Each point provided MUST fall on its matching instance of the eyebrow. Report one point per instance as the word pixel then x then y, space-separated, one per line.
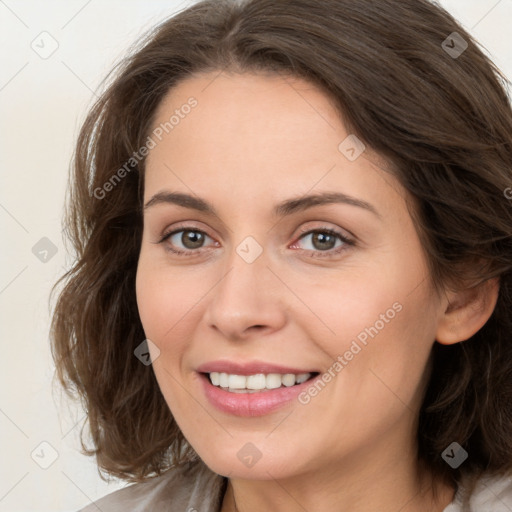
pixel 284 208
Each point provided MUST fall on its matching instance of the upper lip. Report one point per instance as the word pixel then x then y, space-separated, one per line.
pixel 248 368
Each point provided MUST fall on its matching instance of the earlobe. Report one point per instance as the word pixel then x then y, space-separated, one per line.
pixel 467 312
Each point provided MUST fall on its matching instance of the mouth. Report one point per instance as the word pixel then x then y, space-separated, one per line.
pixel 258 382
pixel 257 394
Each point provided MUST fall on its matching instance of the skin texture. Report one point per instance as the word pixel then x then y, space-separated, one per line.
pixel 251 142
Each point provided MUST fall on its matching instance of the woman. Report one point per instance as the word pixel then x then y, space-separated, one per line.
pixel 293 278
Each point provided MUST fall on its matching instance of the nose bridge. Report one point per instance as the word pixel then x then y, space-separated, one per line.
pixel 247 275
pixel 246 295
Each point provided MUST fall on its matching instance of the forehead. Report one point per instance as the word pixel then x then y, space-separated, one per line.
pixel 233 109
pixel 252 133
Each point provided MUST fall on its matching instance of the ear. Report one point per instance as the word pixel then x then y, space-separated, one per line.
pixel 467 311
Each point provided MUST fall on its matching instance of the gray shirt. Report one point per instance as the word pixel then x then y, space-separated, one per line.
pixel 193 487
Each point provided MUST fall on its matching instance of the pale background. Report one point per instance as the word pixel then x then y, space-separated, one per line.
pixel 42 103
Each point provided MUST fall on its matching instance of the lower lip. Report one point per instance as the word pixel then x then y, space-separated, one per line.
pixel 252 404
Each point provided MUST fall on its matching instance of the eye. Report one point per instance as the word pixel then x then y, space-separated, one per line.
pixel 323 242
pixel 190 238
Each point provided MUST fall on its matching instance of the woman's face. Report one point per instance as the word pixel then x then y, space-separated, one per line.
pixel 275 277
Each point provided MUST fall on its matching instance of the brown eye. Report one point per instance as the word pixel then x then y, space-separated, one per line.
pixel 325 239
pixel 191 239
pixel 323 242
pixel 185 240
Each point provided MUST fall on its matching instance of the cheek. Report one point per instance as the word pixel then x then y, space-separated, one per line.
pixel 162 301
pixel 379 321
pixel 392 347
pixel 354 304
pixel 150 303
pixel 165 312
pixel 171 304
pixel 155 290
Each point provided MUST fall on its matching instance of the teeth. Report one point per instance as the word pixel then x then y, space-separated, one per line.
pixel 303 377
pixel 236 381
pixel 288 379
pixel 257 382
pixel 273 381
pixel 223 380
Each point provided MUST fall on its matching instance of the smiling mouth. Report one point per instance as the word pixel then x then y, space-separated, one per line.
pixel 256 383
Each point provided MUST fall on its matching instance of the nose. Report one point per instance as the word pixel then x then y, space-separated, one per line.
pixel 249 300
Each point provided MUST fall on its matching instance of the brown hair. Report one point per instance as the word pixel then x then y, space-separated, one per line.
pixel 443 122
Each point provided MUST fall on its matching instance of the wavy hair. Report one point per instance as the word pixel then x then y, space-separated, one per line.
pixel 443 122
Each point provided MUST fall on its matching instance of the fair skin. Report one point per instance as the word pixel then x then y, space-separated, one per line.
pixel 251 142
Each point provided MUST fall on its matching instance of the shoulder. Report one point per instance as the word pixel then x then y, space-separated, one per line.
pixel 492 493
pixel 190 487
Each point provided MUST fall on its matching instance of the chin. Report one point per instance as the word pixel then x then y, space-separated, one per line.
pixel 247 462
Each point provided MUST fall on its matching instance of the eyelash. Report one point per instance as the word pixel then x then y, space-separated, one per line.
pixel 314 254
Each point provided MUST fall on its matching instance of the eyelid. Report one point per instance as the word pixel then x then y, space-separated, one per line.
pixel 184 226
pixel 337 230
